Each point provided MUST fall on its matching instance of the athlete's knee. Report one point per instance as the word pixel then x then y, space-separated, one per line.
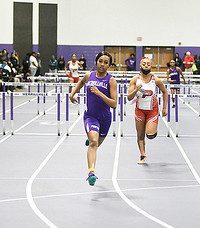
pixel 151 136
pixel 93 143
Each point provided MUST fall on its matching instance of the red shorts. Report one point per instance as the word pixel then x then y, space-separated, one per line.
pixel 76 79
pixel 147 115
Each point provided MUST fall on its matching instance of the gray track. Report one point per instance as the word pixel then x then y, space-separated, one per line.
pixel 165 188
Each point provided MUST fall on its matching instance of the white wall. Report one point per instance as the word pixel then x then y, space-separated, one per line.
pixel 117 22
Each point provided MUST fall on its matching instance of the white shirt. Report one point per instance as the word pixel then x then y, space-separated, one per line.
pixel 147 94
pixel 74 69
pixel 33 62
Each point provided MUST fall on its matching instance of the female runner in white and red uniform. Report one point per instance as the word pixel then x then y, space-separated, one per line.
pixel 146 111
pixel 71 69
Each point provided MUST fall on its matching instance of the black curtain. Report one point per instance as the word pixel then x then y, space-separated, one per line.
pixel 22 28
pixel 47 33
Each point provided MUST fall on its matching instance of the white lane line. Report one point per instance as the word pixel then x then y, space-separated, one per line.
pixel 189 106
pixel 98 192
pixel 34 175
pixel 102 179
pixel 121 194
pixel 18 106
pixel 187 160
pixel 36 134
pixel 26 124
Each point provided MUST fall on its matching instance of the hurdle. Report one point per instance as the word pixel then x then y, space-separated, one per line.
pixel 4 112
pixel 58 113
pixel 114 121
pixel 11 113
pixel 67 112
pixel 121 113
pixel 168 114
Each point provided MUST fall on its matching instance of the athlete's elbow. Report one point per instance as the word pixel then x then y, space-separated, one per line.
pixel 114 105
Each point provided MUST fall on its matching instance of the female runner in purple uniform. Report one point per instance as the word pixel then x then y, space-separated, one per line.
pixel 173 77
pixel 101 93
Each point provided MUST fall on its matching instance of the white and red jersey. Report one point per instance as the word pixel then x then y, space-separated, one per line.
pixel 146 96
pixel 74 69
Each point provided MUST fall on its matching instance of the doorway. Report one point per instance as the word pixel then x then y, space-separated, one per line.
pixel 119 55
pixel 160 57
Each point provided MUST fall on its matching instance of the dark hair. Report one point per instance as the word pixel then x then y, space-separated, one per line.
pixel 103 53
pixel 73 54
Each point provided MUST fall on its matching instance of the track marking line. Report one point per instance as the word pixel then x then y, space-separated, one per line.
pixel 187 160
pixel 98 192
pixel 37 171
pixel 122 195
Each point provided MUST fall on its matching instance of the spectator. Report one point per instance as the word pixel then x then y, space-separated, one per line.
pixel 15 61
pixel 197 62
pixel 5 73
pixel 178 61
pixel 4 55
pixel 39 64
pixel 25 66
pixel 53 65
pixel 188 62
pixel 33 64
pixel 61 63
pixel 82 61
pixel 131 63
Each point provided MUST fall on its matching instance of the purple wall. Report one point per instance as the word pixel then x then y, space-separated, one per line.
pixel 8 47
pixel 35 48
pixel 183 50
pixel 139 55
pixel 88 51
pixel 91 51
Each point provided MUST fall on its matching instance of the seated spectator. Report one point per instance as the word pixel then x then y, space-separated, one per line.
pixel 61 63
pixel 4 55
pixel 15 61
pixel 26 64
pixel 53 65
pixel 5 71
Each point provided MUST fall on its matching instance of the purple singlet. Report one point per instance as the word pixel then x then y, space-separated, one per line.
pixel 97 117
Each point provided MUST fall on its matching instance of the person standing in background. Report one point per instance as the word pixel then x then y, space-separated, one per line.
pixel 39 64
pixel 131 63
pixel 83 63
pixel 173 77
pixel 188 62
pixel 178 61
pixel 33 65
pixel 61 63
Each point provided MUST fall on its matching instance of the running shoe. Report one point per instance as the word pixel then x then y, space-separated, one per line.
pixel 91 178
pixel 142 159
pixel 87 142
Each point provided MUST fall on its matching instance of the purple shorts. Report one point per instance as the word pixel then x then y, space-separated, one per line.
pixel 99 125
